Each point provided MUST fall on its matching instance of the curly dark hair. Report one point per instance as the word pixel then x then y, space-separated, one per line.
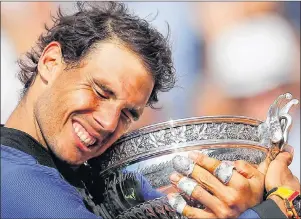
pixel 92 23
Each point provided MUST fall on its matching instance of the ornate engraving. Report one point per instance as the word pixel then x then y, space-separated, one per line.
pixel 168 138
pixel 248 154
pixel 158 174
pixel 154 209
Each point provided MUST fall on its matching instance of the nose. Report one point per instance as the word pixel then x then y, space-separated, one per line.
pixel 108 117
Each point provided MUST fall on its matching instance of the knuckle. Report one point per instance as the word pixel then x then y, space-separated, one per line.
pixel 198 192
pixel 240 163
pixel 261 176
pixel 190 214
pixel 260 180
pixel 226 213
pixel 244 186
pixel 287 155
pixel 204 178
pixel 232 200
pixel 222 212
pixel 200 158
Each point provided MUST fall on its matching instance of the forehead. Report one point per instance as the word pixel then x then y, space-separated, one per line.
pixel 115 65
pixel 116 56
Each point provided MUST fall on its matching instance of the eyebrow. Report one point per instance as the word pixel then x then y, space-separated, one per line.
pixel 105 88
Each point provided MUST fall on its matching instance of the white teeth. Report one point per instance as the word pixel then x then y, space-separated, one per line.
pixel 83 134
pixel 93 141
pixel 88 141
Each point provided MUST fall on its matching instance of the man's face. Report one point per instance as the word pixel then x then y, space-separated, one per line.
pixel 82 111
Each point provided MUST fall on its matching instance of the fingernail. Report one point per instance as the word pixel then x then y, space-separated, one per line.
pixel 175 177
pixel 193 155
pixel 289 149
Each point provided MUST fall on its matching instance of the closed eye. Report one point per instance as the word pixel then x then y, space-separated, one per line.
pixel 128 118
pixel 104 91
pixel 134 114
pixel 131 114
pixel 101 94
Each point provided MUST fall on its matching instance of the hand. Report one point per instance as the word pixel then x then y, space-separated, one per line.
pixel 278 174
pixel 244 190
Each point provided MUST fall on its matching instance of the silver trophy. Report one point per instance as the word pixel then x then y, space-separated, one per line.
pixel 131 179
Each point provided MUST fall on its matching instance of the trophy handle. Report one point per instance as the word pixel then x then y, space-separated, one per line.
pixel 275 129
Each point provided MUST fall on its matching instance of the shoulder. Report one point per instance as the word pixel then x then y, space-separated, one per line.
pixel 36 191
pixel 12 155
pixel 20 168
pixel 20 171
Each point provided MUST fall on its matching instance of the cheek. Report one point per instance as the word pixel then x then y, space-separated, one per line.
pixel 79 100
pixel 55 108
pixel 83 99
pixel 46 115
pixel 72 94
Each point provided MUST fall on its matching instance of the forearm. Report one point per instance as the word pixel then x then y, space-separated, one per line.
pixel 280 203
pixel 267 209
pixel 287 200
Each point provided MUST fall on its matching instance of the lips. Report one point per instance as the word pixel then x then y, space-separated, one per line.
pixel 83 134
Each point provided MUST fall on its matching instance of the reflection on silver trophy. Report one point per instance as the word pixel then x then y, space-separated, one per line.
pixel 131 179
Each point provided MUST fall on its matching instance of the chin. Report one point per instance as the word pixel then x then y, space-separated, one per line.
pixel 74 161
pixel 71 160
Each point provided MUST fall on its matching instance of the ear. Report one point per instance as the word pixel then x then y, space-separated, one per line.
pixel 51 62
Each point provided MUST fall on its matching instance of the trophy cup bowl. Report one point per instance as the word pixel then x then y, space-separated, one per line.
pixel 131 179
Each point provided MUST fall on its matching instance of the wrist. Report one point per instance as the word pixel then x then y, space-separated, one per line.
pixel 284 197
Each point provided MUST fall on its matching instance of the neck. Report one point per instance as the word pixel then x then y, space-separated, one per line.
pixel 23 119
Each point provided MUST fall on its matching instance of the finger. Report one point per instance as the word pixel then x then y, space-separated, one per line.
pixel 264 165
pixel 273 154
pixel 254 165
pixel 183 165
pixel 186 166
pixel 177 202
pixel 210 164
pixel 208 181
pixel 196 213
pixel 245 169
pixel 285 157
pixel 204 161
pixel 183 183
pixel 194 190
pixel 291 151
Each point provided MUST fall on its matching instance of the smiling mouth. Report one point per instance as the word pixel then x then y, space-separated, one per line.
pixel 83 135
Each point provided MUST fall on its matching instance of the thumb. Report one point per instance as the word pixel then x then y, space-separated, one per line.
pixel 263 166
pixel 290 154
pixel 286 156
